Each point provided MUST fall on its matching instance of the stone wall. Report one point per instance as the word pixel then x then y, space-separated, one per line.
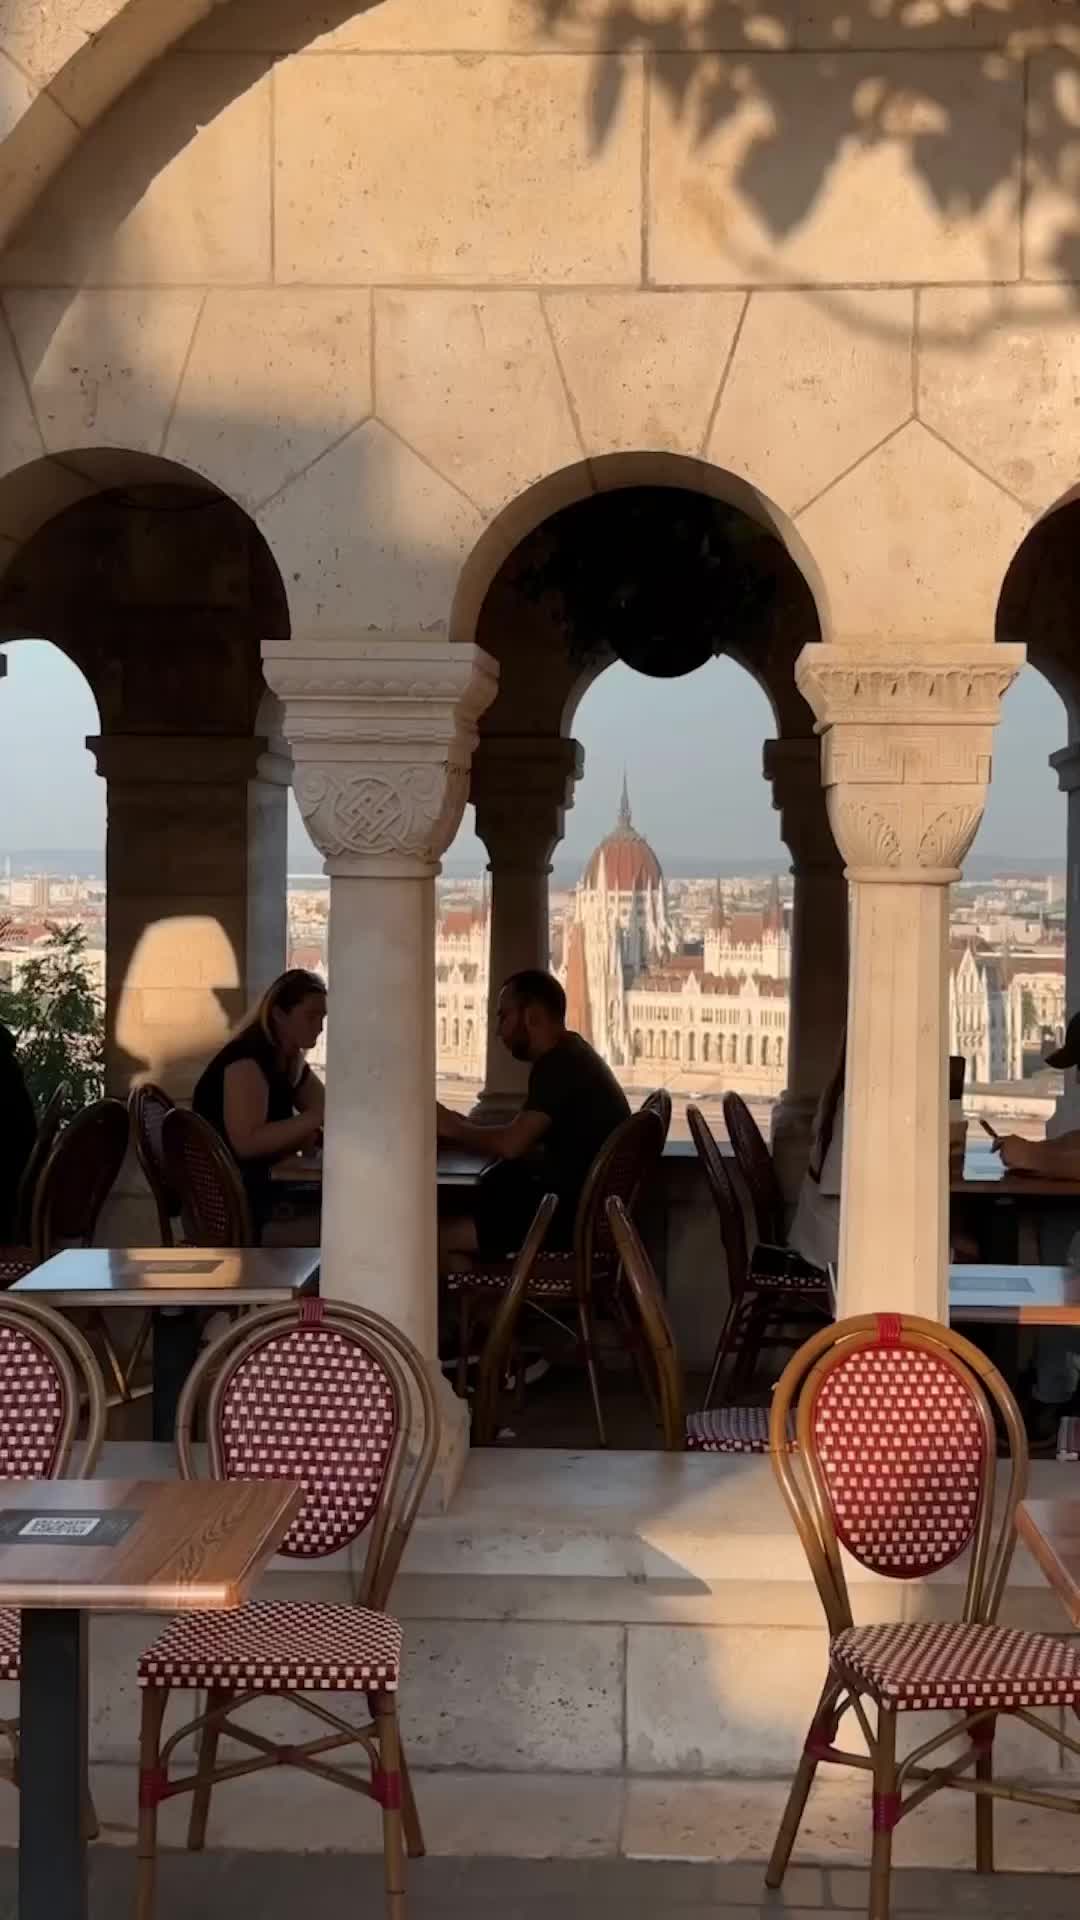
pixel 376 275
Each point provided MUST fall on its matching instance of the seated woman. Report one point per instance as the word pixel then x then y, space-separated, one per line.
pixel 261 1096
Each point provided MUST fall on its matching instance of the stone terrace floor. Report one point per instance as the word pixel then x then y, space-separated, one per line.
pixel 585 1847
pixel 268 1886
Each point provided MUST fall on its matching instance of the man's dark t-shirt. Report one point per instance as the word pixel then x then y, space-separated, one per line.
pixel 585 1103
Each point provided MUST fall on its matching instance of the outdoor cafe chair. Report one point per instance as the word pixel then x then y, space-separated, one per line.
pixel 78 1177
pixel 756 1309
pixel 719 1430
pixel 148 1107
pixel 564 1287
pixel 201 1172
pixel 896 1462
pixel 338 1399
pixel 781 1283
pixel 47 1375
pixel 18 1259
pixel 659 1103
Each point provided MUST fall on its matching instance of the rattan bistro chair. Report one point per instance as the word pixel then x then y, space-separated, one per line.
pixel 722 1430
pixel 78 1177
pixel 660 1104
pixel 200 1170
pixel 568 1284
pixel 339 1400
pixel 149 1105
pixel 47 1373
pixel 782 1285
pixel 757 1304
pixel 18 1259
pixel 896 1462
pixel 495 1359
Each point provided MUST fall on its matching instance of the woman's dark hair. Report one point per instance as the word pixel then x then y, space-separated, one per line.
pixel 534 988
pixel 284 994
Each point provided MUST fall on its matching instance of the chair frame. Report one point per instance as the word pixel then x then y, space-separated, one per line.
pixel 638 1277
pixel 736 1250
pixel 225 1167
pixel 78 1370
pixel 498 1347
pixel 755 1163
pixel 42 1230
pixel 586 1221
pixel 18 1259
pixel 805 1488
pixel 407 1471
pixel 153 1171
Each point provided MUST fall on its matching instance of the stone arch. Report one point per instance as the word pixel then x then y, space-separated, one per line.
pixel 1039 602
pixel 161 590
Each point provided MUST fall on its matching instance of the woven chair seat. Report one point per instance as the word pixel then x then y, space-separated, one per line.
pixel 731 1430
pixel 9 1643
pixel 782 1270
pixel 552 1276
pixel 914 1668
pixel 15 1264
pixel 278 1647
pixel 1068 1439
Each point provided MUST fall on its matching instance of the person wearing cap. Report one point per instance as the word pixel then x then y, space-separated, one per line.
pixel 1057 1350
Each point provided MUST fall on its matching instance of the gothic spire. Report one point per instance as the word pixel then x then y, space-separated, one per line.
pixel 624 823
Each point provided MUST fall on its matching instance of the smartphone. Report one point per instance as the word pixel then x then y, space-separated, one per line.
pixel 987 1128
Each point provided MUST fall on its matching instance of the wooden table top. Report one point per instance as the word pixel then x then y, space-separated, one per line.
pixel 1050 1529
pixel 172 1276
pixel 170 1546
pixel 1019 1296
pixel 454 1167
pixel 985 1175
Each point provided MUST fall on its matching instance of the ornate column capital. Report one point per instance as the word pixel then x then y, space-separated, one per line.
pixel 793 770
pixel 522 785
pixel 1066 764
pixel 382 734
pixel 906 737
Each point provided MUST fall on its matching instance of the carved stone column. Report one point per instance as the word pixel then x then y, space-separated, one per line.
pixel 1066 764
pixel 522 786
pixel 382 736
pixel 906 746
pixel 819 948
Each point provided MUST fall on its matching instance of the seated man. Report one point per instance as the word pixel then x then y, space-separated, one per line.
pixel 572 1105
pixel 1057 1353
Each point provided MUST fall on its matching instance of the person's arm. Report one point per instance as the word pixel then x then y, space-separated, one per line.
pixel 310 1095
pixel 1055 1159
pixel 251 1135
pixel 508 1142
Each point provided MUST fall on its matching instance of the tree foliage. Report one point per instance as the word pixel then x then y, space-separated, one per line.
pixel 57 1015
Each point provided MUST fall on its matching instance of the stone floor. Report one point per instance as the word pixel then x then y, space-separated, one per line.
pixel 268 1886
pixel 520 1844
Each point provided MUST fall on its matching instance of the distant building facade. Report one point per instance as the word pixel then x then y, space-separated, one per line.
pixel 1004 1009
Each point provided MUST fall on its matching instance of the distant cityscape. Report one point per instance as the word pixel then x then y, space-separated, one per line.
pixel 679 979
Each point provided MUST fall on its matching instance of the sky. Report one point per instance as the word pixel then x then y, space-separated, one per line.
pixel 691 750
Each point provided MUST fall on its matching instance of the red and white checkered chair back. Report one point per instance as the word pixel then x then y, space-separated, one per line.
pixel 46 1372
pixel 312 1403
pixel 335 1398
pixel 203 1175
pixel 902 1450
pixel 896 1457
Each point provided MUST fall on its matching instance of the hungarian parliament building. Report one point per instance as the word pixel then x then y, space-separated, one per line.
pixel 711 1012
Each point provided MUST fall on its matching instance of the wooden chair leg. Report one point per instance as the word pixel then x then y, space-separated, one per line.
pixel 153 1712
pixel 461 1384
pixel 800 1787
pixel 200 1799
pixel 414 1832
pixel 588 1341
pixel 885 1816
pixel 723 1348
pixel 757 1326
pixel 983 1741
pixel 392 1799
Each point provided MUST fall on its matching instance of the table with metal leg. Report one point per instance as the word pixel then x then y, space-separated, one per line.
pixel 72 1547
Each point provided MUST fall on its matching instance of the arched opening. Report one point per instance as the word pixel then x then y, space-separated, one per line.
pixel 594 642
pixel 160 590
pixel 1013 978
